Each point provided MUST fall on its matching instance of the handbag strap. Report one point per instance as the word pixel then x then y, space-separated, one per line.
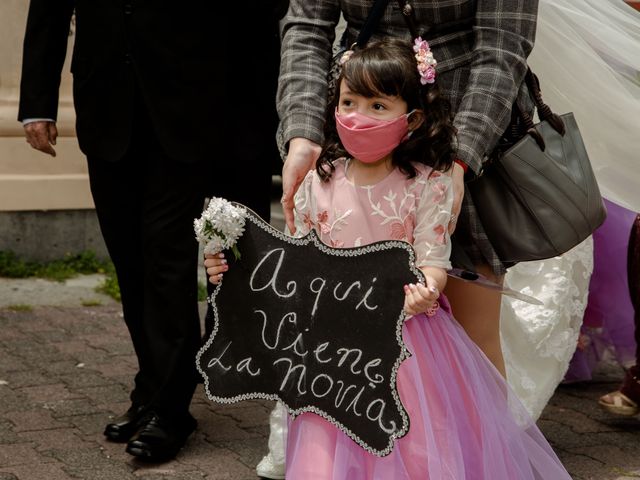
pixel 544 112
pixel 370 24
pixel 409 15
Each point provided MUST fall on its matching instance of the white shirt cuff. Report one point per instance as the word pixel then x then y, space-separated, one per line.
pixel 31 120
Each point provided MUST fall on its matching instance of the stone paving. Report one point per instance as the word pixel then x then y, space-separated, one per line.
pixel 64 371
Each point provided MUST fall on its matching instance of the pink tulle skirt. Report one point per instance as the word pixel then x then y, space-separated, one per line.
pixel 465 423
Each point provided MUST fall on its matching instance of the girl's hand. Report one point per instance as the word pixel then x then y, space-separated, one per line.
pixel 420 298
pixel 216 265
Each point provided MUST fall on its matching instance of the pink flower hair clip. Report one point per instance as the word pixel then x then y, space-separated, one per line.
pixel 345 56
pixel 426 62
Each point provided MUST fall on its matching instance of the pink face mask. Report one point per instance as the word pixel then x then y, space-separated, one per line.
pixel 369 139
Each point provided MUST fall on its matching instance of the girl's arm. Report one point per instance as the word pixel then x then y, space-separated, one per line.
pixel 436 277
pixel 431 241
pixel 504 32
pixel 303 215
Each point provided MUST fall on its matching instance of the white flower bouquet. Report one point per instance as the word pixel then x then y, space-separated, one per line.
pixel 220 226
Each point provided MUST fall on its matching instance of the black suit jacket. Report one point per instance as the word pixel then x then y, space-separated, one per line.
pixel 199 66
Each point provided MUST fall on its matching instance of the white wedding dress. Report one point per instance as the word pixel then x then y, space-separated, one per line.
pixel 538 341
pixel 587 56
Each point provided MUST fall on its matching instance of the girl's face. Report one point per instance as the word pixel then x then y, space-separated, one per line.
pixel 382 108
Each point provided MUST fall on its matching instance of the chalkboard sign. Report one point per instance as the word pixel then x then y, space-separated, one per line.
pixel 316 327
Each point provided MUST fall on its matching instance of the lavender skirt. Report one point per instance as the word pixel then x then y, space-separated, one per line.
pixel 608 328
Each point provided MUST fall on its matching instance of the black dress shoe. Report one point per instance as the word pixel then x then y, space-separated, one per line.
pixel 160 439
pixel 123 427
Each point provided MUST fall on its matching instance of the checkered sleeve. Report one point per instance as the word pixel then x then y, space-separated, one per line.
pixel 504 32
pixel 308 34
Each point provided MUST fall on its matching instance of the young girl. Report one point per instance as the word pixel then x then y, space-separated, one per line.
pixel 380 177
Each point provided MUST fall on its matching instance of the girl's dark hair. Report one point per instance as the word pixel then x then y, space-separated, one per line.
pixel 389 67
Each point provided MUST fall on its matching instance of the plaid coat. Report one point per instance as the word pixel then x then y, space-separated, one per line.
pixel 481 47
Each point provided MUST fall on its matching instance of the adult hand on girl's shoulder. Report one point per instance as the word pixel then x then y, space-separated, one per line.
pixel 420 298
pixel 301 158
pixel 457 179
pixel 216 265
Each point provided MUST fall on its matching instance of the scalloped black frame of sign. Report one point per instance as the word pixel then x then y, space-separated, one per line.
pixel 397 268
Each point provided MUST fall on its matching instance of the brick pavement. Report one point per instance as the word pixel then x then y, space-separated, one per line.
pixel 64 371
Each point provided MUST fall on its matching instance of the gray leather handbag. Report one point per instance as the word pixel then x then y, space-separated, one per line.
pixel 539 198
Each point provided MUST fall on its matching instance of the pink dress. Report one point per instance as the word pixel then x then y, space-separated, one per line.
pixel 465 423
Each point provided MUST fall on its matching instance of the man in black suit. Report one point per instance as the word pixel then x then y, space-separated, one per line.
pixel 174 102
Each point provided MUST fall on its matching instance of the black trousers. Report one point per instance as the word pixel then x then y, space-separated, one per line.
pixel 146 203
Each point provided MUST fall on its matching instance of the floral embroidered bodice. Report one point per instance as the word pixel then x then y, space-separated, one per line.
pixel 416 210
